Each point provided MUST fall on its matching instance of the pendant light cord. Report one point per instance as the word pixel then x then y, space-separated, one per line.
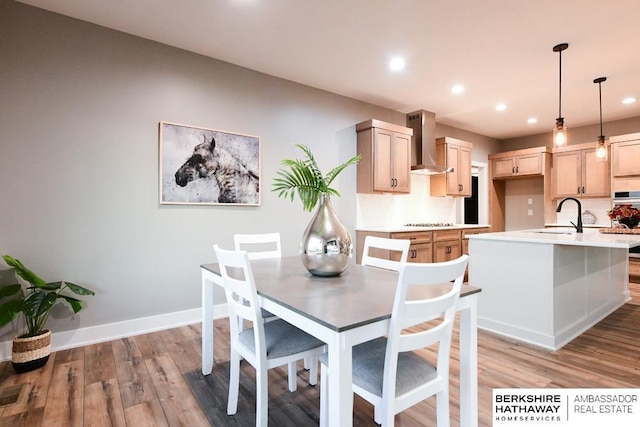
pixel 560 85
pixel 600 96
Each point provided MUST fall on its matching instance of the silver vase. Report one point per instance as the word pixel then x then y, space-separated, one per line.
pixel 325 248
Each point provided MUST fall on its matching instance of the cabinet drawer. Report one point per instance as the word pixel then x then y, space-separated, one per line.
pixel 444 235
pixel 415 237
pixel 471 231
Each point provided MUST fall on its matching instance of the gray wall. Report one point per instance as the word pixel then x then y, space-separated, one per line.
pixel 79 159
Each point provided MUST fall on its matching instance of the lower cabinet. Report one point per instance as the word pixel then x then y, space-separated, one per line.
pixel 426 246
pixel 421 249
pixel 446 245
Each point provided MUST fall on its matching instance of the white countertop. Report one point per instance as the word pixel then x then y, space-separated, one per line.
pixel 400 228
pixel 564 236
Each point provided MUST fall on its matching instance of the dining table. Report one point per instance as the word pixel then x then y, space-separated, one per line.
pixel 343 311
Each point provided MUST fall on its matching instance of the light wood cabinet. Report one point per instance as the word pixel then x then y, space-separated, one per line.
pixel 447 245
pixel 385 166
pixel 625 153
pixel 577 172
pixel 518 163
pixel 465 237
pixel 421 249
pixel 456 154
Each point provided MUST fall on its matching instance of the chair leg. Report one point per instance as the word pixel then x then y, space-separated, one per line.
pixel 442 408
pixel 262 398
pixel 234 382
pixel 324 396
pixel 313 370
pixel 293 376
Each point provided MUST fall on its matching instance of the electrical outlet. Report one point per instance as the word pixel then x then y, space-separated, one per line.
pixel 529 201
pixel 530 212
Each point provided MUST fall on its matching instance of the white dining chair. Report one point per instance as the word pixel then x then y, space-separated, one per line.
pixel 265 246
pixel 384 247
pixel 259 246
pixel 387 371
pixel 265 345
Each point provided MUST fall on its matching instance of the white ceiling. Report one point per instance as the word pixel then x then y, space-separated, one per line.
pixel 500 50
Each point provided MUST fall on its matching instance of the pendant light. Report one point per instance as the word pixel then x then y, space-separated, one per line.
pixel 601 149
pixel 560 130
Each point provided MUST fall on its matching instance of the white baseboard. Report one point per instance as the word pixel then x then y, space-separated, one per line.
pixel 127 328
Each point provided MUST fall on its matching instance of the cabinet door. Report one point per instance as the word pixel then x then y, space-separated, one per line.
pixel 464 172
pixel 382 172
pixel 453 162
pixel 420 252
pixel 625 159
pixel 530 164
pixel 504 166
pixel 446 251
pixel 567 174
pixel 401 169
pixel 596 181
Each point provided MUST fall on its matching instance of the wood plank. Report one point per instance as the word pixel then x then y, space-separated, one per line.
pixel 146 414
pixel 179 405
pixel 102 404
pixel 99 363
pixel 133 378
pixel 65 397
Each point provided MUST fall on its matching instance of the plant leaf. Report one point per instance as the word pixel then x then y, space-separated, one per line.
pixel 23 271
pixel 38 303
pixel 9 311
pixel 78 290
pixel 6 291
pixel 75 303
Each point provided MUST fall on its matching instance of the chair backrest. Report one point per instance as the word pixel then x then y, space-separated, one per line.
pixel 411 312
pixel 259 246
pixel 240 289
pixel 384 247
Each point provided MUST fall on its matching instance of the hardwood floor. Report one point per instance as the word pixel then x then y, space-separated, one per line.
pixel 155 380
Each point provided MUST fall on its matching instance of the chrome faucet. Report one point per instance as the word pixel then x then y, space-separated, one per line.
pixel 579 226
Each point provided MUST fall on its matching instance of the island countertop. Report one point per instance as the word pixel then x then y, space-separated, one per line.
pixel 564 236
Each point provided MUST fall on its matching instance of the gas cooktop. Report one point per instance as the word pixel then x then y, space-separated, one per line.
pixel 430 224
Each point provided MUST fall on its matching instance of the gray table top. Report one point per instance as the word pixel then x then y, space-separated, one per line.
pixel 360 295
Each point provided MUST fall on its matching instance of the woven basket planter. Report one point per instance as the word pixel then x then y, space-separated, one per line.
pixel 31 353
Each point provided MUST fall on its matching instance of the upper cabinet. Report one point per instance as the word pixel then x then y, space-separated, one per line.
pixel 455 154
pixel 577 172
pixel 518 163
pixel 385 166
pixel 625 155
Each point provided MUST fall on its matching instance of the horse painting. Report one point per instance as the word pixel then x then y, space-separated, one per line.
pixel 236 182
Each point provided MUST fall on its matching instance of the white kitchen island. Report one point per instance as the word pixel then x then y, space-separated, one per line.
pixel 545 287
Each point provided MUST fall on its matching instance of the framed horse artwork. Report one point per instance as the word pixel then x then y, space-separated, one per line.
pixel 208 167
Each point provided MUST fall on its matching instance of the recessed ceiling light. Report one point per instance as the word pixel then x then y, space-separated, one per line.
pixel 501 107
pixel 532 120
pixel 629 100
pixel 396 63
pixel 457 89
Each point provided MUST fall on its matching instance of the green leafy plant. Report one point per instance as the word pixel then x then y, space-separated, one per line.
pixel 305 178
pixel 35 303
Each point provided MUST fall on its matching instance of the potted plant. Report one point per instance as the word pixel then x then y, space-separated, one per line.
pixel 625 214
pixel 325 248
pixel 32 348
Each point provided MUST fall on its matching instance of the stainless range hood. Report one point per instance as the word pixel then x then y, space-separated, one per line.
pixel 423 143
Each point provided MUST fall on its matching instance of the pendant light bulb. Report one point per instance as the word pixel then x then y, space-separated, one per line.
pixel 560 130
pixel 601 148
